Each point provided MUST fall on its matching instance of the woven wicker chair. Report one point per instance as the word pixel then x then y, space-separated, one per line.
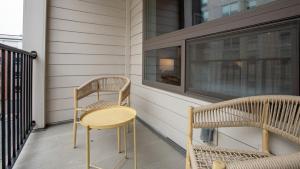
pixel 276 114
pixel 118 84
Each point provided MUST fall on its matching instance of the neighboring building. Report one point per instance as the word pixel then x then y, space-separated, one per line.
pixel 11 40
pixel 204 10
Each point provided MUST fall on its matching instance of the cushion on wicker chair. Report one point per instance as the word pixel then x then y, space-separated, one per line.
pixel 202 156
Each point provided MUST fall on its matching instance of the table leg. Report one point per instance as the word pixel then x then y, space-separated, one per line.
pixel 87 148
pixel 134 144
pixel 119 140
pixel 125 141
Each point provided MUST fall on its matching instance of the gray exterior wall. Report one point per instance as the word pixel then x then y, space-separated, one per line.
pixel 85 39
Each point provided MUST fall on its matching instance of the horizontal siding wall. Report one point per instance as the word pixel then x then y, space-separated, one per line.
pixel 85 39
pixel 167 112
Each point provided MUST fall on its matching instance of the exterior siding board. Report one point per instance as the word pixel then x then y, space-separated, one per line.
pixel 85 40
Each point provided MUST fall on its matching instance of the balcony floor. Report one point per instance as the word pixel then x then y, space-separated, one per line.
pixel 52 148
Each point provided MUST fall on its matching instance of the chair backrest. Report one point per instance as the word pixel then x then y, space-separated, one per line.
pixel 279 114
pixel 103 84
pixel 283 116
pixel 112 84
pixel 87 89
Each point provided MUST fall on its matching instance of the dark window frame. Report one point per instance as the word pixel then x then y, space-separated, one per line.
pixel 177 89
pixel 275 12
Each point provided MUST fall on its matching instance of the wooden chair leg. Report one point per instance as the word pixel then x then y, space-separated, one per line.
pixel 134 144
pixel 88 148
pixel 74 131
pixel 187 160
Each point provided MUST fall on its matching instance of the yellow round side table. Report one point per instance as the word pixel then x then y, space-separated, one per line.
pixel 114 117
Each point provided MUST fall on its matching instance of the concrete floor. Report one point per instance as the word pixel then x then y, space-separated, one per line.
pixel 52 149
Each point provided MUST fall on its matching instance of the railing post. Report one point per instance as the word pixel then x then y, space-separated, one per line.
pixel 13 90
pixel 3 112
pixel 18 90
pixel 8 104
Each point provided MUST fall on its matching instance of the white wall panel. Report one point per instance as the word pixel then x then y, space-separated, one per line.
pixel 73 26
pixel 104 9
pixel 85 39
pixel 71 59
pixel 61 47
pixel 79 16
pixel 80 70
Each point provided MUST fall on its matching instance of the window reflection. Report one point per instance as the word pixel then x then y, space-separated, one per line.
pixel 163 16
pixel 163 65
pixel 264 62
pixel 204 10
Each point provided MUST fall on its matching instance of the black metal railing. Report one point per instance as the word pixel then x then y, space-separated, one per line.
pixel 16 68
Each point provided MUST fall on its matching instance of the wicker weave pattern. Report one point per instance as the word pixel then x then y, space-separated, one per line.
pixel 279 114
pixel 202 157
pixel 103 84
pixel 275 162
pixel 87 89
pixel 100 105
pixel 286 124
pixel 111 84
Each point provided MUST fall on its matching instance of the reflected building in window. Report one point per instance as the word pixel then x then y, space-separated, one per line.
pixel 237 65
pixel 204 10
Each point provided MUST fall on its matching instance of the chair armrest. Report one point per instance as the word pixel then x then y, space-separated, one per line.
pixel 233 113
pixel 87 89
pixel 291 161
pixel 124 92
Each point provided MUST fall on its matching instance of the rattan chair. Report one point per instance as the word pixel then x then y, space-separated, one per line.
pixel 279 115
pixel 118 84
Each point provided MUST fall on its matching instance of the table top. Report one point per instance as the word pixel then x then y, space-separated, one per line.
pixel 108 118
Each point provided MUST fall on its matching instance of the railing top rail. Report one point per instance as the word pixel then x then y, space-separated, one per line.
pixel 13 49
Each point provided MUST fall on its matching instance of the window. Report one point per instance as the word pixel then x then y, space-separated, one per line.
pixel 251 4
pixel 218 9
pixel 205 16
pixel 200 12
pixel 204 2
pixel 260 62
pixel 252 53
pixel 163 16
pixel 163 66
pixel 230 9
